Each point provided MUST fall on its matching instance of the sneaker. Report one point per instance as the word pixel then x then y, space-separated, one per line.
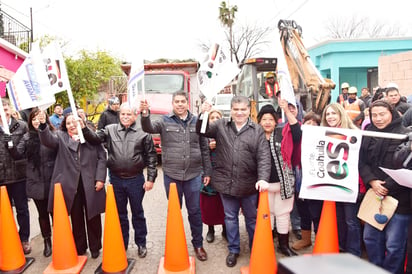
pixel 141 251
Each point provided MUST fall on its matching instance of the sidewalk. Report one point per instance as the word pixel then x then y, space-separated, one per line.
pixel 155 205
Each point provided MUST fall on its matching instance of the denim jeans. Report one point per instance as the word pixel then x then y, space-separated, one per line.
pixel 387 248
pixel 231 207
pixel 17 193
pixel 131 190
pixel 349 228
pixel 191 190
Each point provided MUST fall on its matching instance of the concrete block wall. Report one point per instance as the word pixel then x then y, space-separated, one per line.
pixel 396 68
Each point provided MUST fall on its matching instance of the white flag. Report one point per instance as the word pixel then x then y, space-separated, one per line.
pixel 216 71
pixel 135 85
pixel 283 76
pixel 56 68
pixel 30 86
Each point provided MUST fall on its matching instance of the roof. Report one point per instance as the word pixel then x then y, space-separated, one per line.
pixel 13 49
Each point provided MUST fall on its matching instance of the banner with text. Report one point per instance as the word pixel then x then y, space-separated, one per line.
pixel 56 68
pixel 330 163
pixel 30 86
pixel 216 71
pixel 135 85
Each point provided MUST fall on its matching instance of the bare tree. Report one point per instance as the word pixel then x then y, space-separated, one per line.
pixel 250 41
pixel 355 27
pixel 247 41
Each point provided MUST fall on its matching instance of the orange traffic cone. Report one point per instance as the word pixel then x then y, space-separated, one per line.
pixel 11 251
pixel 114 252
pixel 327 237
pixel 176 259
pixel 64 258
pixel 263 257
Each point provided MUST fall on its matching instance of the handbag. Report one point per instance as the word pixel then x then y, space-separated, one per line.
pixel 208 190
pixel 377 211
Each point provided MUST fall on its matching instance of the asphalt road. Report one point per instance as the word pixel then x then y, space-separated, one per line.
pixel 155 205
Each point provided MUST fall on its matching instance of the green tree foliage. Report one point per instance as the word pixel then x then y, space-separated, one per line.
pixel 89 73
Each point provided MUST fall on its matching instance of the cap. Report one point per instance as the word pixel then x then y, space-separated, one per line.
pixel 353 90
pixel 265 110
pixel 344 85
pixel 269 75
pixel 114 100
pixel 392 85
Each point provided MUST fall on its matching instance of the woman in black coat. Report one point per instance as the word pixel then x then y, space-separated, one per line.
pixel 81 170
pixel 385 248
pixel 39 169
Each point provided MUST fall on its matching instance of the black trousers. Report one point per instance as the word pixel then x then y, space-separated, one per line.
pixel 80 222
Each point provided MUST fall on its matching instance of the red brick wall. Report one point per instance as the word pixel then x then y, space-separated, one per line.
pixel 396 68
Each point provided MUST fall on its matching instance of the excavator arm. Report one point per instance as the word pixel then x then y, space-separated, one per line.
pixel 301 68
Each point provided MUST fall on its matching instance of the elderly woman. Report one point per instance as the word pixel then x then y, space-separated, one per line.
pixel 282 180
pixel 385 248
pixel 81 170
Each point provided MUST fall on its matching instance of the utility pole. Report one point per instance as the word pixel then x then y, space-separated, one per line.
pixel 31 25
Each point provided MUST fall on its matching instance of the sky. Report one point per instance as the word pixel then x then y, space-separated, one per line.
pixel 175 29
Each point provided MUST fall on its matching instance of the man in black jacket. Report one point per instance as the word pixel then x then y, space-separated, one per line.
pixel 111 114
pixel 242 160
pixel 130 150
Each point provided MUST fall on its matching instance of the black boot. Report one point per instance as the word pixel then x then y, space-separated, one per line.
pixel 210 236
pixel 284 245
pixel 46 233
pixel 47 247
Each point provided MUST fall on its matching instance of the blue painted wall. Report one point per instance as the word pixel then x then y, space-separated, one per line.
pixel 349 60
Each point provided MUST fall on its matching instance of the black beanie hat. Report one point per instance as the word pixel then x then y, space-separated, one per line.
pixel 266 109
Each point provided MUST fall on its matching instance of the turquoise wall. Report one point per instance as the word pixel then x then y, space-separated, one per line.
pixel 349 60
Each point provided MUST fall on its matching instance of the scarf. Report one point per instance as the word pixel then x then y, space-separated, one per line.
pixel 290 155
pixel 286 177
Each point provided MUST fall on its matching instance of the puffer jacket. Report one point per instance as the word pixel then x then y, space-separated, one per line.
pixel 379 152
pixel 185 154
pixel 108 117
pixel 12 171
pixel 242 158
pixel 130 150
pixel 40 164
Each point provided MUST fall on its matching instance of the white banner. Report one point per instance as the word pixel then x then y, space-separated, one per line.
pixel 135 85
pixel 216 71
pixel 30 86
pixel 330 163
pixel 56 68
pixel 283 76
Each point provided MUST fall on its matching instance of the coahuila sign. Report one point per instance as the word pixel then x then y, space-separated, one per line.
pixel 330 163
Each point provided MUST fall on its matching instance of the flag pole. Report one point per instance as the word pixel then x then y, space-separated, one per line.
pixel 74 111
pixel 370 133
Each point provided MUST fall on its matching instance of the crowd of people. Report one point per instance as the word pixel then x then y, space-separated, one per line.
pixel 219 166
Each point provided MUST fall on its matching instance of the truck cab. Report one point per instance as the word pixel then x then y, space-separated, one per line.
pixel 161 80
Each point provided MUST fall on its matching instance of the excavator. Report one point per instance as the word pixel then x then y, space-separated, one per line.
pixel 313 90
